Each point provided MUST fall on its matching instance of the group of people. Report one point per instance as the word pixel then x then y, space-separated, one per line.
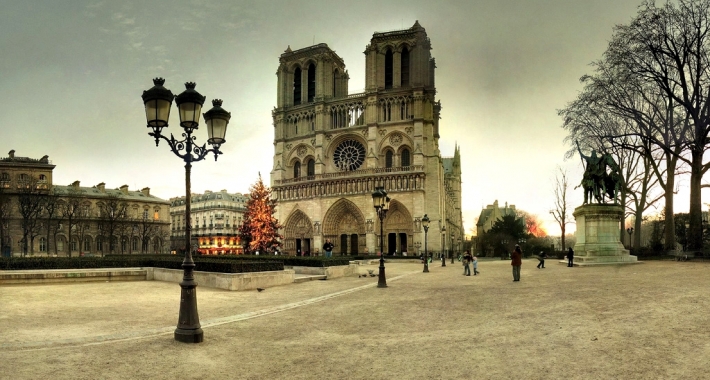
pixel 516 262
pixel 467 260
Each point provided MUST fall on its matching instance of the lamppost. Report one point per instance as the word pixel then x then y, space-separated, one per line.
pixel 382 203
pixel 443 237
pixel 458 240
pixel 630 231
pixel 158 101
pixel 425 224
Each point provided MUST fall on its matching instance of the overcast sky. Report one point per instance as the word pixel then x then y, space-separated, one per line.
pixel 72 72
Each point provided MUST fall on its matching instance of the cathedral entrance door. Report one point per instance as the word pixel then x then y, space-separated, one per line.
pixel 353 244
pixel 391 243
pixel 403 242
pixel 343 245
pixel 298 247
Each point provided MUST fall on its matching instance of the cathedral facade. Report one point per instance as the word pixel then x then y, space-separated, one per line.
pixel 332 149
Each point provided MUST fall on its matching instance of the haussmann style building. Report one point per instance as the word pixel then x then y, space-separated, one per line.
pixel 137 222
pixel 216 217
pixel 333 148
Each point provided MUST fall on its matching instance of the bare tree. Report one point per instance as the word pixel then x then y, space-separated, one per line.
pixel 29 203
pixel 560 212
pixel 5 216
pixel 669 46
pixel 50 210
pixel 69 211
pixel 112 213
pixel 84 222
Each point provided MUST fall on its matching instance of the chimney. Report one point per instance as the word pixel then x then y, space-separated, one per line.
pixel 146 191
pixel 124 189
pixel 75 184
pixel 12 153
pixel 101 187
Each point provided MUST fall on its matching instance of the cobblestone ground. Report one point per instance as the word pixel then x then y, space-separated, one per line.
pixel 644 321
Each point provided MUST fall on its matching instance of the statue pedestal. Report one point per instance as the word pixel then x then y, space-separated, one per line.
pixel 598 234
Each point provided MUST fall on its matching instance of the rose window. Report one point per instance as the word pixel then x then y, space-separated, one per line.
pixel 349 155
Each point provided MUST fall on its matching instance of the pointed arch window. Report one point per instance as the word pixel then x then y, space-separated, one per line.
pixel 297 170
pixel 388 68
pixel 405 158
pixel 311 169
pixel 297 86
pixel 388 159
pixel 405 67
pixel 335 81
pixel 311 82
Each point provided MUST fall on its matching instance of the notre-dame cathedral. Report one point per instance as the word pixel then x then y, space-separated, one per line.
pixel 333 148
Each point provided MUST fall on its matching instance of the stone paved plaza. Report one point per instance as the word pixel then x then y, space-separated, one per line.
pixel 644 321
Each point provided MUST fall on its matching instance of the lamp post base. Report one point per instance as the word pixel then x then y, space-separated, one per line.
pixel 189 336
pixel 382 280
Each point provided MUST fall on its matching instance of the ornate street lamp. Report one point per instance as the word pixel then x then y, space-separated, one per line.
pixel 425 224
pixel 443 237
pixel 158 101
pixel 458 240
pixel 630 231
pixel 382 203
pixel 453 248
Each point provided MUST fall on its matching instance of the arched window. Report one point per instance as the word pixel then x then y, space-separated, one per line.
pixel 405 67
pixel 296 170
pixel 74 245
pixel 388 159
pixel 297 86
pixel 87 244
pixel 388 69
pixel 42 244
pixel 405 157
pixel 311 168
pixel 311 82
pixel 99 244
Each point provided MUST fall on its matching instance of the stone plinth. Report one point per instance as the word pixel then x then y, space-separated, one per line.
pixel 598 233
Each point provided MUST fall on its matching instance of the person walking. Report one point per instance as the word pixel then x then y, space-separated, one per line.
pixel 516 262
pixel 475 266
pixel 570 257
pixel 542 258
pixel 467 258
pixel 328 248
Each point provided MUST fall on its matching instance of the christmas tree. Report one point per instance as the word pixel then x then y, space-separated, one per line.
pixel 260 230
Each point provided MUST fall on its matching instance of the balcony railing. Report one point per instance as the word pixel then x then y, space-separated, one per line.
pixel 353 173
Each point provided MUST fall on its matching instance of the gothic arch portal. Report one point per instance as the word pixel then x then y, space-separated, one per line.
pixel 398 230
pixel 298 233
pixel 344 225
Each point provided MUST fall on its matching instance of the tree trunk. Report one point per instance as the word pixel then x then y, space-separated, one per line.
pixel 669 223
pixel 695 215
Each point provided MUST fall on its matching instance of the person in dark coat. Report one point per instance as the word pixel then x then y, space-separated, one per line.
pixel 516 262
pixel 542 257
pixel 570 257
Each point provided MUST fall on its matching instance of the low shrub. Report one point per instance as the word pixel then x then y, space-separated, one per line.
pixel 158 261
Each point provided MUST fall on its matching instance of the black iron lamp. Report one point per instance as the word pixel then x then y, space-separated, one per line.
pixel 444 253
pixel 158 101
pixel 381 202
pixel 425 224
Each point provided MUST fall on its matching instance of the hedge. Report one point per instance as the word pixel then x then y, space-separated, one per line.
pixel 302 261
pixel 158 261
